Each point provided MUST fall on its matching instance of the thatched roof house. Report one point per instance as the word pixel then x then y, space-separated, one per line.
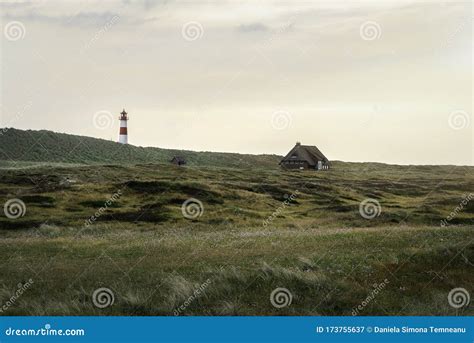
pixel 305 157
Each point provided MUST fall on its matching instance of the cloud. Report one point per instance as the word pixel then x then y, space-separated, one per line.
pixel 254 27
pixel 84 15
pixel 247 66
pixel 89 18
pixel 81 19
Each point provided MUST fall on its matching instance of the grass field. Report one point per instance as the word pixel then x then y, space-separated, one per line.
pixel 252 231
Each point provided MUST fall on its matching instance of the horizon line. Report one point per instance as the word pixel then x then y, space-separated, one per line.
pixel 6 129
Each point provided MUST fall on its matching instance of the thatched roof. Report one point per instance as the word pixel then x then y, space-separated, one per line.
pixel 309 153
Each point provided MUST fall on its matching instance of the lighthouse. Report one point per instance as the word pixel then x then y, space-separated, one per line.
pixel 123 136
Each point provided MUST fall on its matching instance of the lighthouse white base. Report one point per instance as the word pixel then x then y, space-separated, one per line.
pixel 123 139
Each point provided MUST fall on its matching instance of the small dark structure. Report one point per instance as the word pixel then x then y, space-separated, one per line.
pixel 179 161
pixel 305 157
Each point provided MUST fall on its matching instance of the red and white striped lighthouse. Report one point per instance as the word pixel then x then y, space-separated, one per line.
pixel 123 136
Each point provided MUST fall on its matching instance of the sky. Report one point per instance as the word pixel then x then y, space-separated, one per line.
pixel 364 81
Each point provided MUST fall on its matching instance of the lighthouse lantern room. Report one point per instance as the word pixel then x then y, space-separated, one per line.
pixel 123 136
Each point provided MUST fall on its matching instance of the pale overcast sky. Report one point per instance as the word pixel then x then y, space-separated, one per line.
pixel 364 81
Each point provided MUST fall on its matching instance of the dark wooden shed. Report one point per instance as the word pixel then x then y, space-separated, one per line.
pixel 179 161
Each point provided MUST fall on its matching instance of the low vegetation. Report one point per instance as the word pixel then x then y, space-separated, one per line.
pixel 123 228
pixel 21 148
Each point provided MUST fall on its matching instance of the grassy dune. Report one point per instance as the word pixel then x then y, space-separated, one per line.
pixel 259 230
pixel 22 147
